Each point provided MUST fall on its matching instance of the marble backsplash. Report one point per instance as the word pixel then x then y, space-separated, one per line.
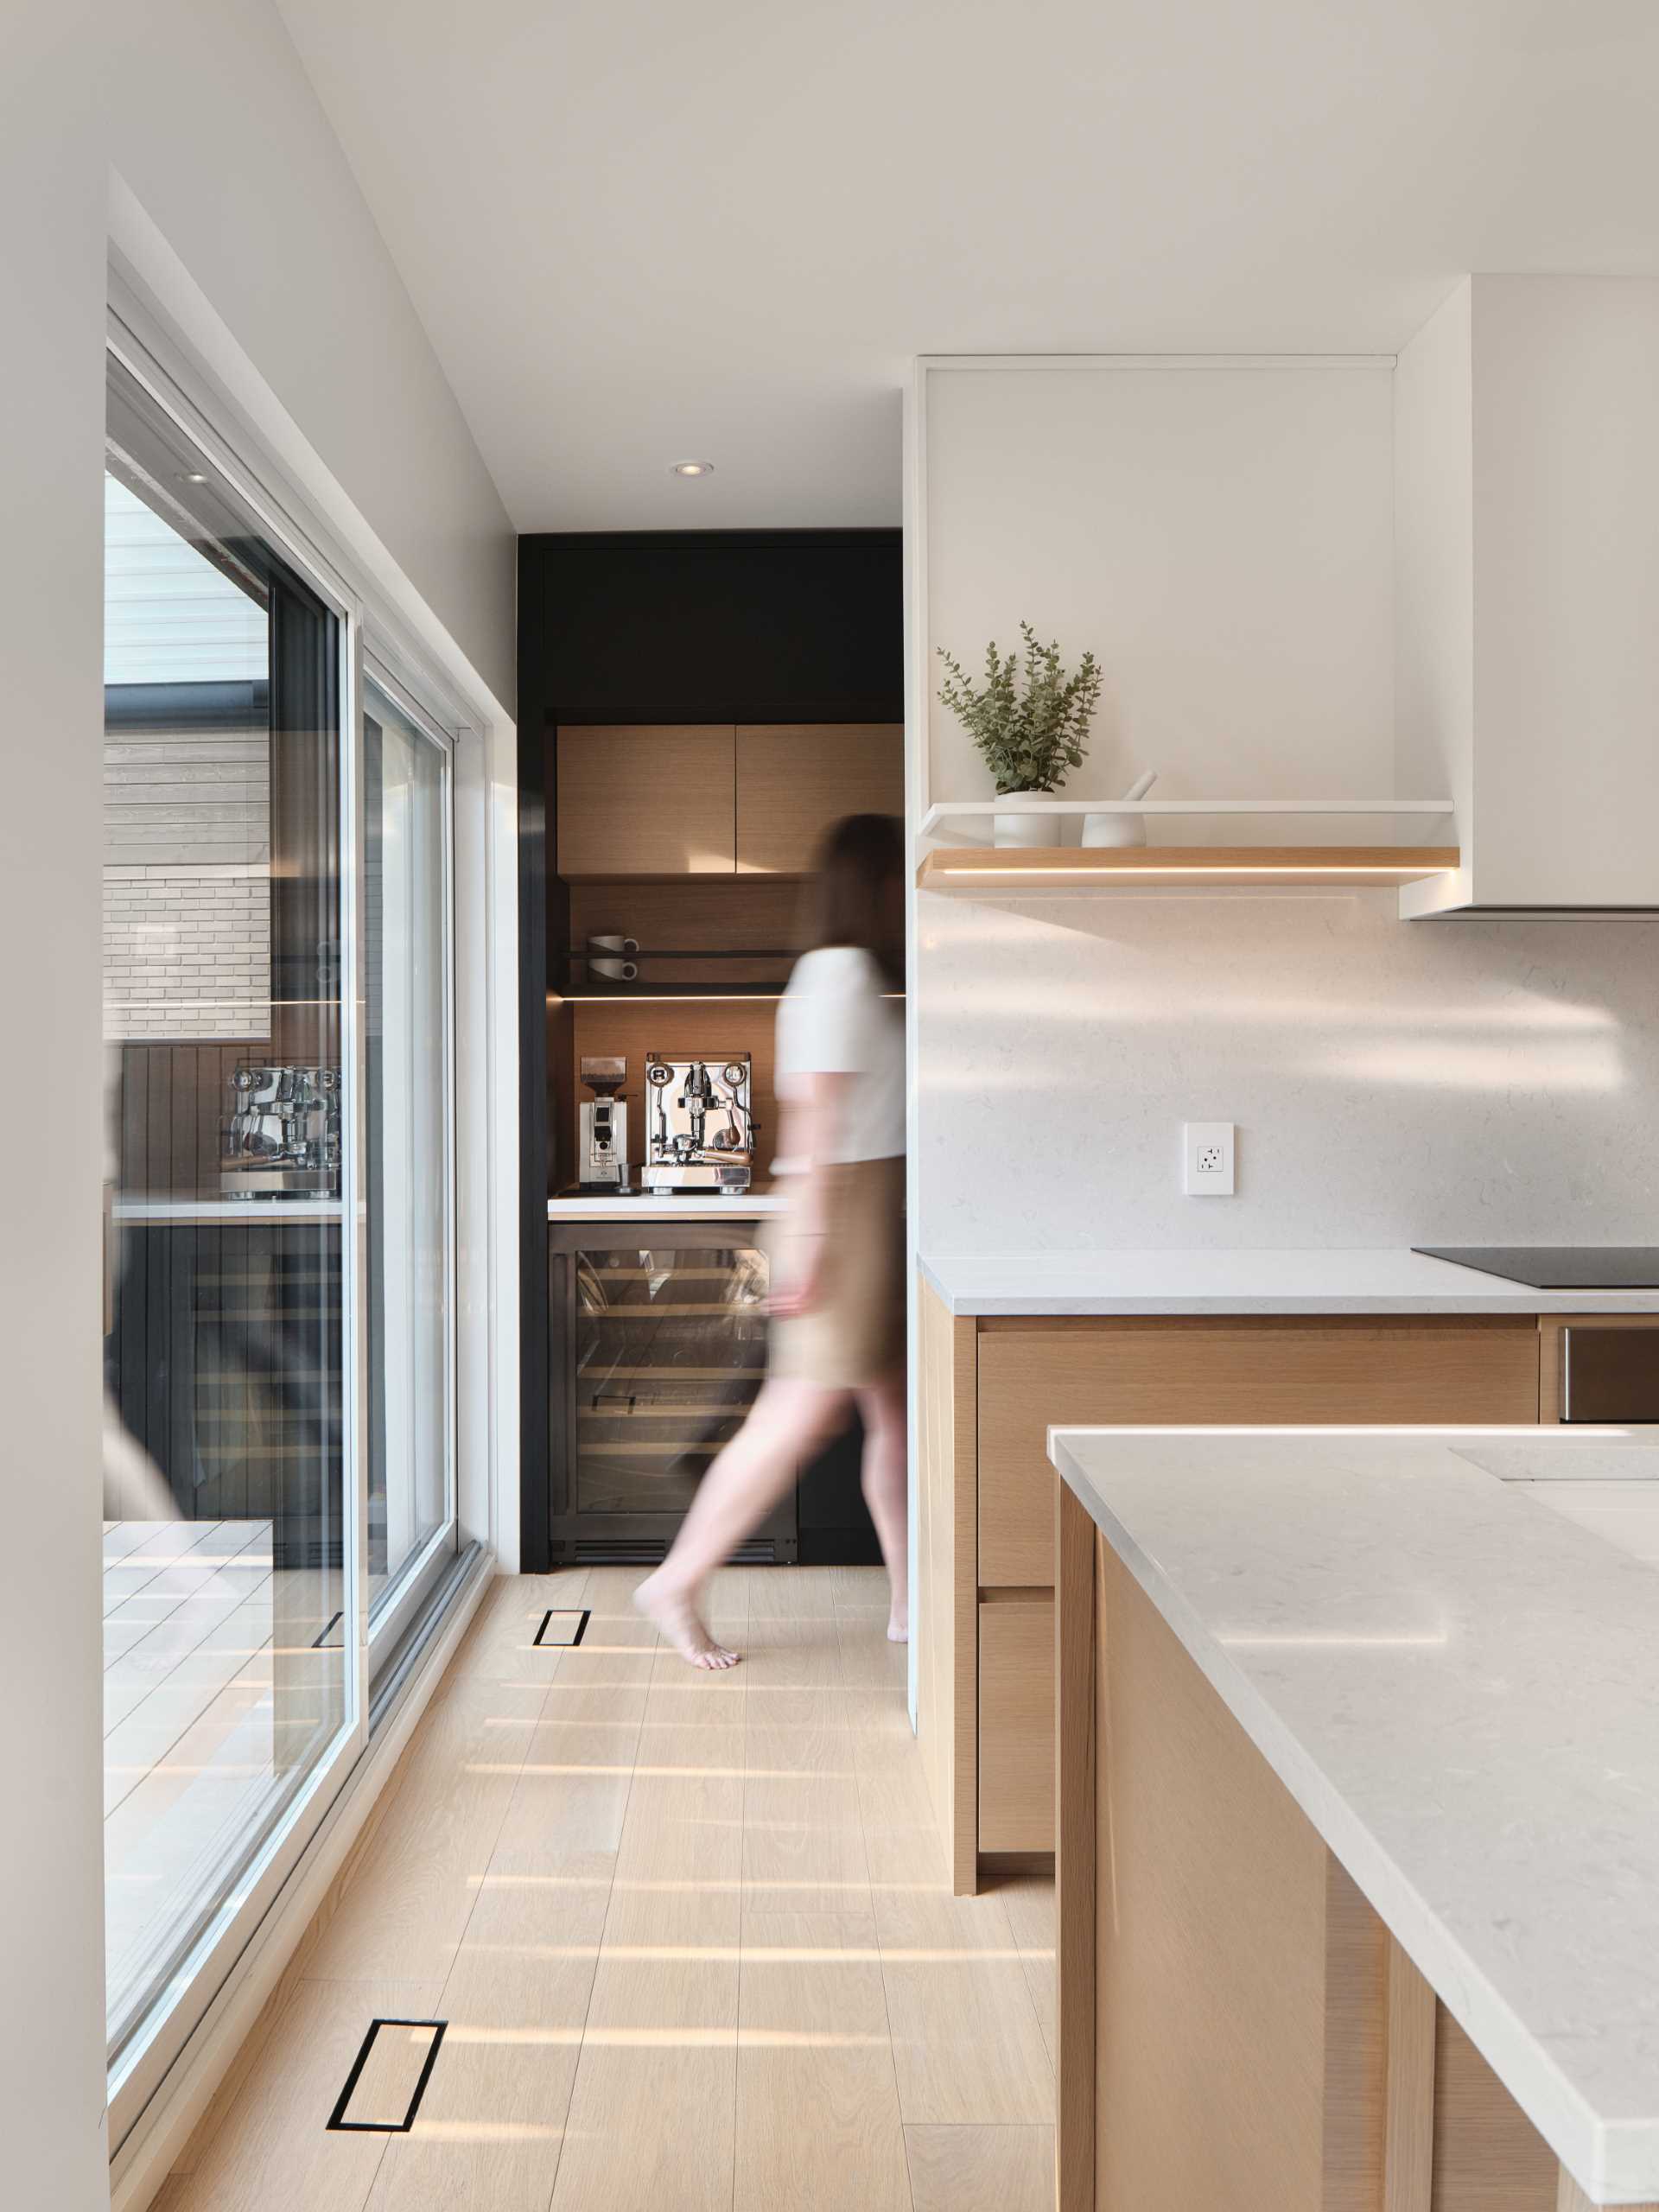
pixel 1393 1083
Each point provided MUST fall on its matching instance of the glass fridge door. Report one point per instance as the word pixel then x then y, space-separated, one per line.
pixel 667 1353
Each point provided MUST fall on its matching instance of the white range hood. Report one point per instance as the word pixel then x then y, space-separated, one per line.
pixel 1527 557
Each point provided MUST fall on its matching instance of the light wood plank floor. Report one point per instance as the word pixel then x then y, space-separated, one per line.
pixel 692 1934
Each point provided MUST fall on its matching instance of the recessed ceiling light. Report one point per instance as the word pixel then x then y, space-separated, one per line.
pixel 194 476
pixel 692 468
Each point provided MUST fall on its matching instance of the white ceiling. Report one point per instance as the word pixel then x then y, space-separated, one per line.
pixel 643 231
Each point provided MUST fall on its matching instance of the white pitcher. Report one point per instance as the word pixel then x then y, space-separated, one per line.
pixel 1121 829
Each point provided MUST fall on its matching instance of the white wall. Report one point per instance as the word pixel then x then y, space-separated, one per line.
pixel 215 128
pixel 201 109
pixel 1394 1083
pixel 1221 537
pixel 52 199
pixel 1225 538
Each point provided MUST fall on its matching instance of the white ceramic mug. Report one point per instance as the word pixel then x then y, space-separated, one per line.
pixel 608 956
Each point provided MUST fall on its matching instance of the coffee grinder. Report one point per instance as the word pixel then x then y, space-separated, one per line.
pixel 603 1148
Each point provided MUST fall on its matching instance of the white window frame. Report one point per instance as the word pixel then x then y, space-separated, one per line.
pixel 418 1576
pixel 150 2050
pixel 484 1395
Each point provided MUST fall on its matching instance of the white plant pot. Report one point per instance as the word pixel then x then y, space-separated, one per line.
pixel 1120 830
pixel 1023 828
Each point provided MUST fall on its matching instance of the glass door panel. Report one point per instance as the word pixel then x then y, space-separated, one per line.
pixel 226 1557
pixel 670 1351
pixel 407 950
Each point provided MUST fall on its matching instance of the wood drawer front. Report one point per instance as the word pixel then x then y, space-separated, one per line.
pixel 1180 1371
pixel 1016 1724
pixel 646 800
pixel 795 778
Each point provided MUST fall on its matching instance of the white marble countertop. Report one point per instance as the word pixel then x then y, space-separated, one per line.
pixel 1458 1684
pixel 1385 1281
pixel 642 1206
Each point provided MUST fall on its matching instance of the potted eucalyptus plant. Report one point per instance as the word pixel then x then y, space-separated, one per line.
pixel 1028 736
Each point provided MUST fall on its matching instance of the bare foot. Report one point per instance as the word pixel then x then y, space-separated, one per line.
pixel 673 1615
pixel 898 1629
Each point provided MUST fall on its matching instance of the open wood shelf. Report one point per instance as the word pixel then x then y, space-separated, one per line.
pixel 982 870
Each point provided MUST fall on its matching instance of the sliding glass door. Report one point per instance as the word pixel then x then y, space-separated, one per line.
pixel 229 1557
pixel 409 1059
pixel 279 1467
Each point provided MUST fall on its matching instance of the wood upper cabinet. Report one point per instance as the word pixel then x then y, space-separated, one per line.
pixel 795 778
pixel 1475 1368
pixel 646 800
pixel 708 798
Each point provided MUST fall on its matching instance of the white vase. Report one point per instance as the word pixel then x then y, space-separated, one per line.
pixel 1023 828
pixel 1120 830
pixel 1114 829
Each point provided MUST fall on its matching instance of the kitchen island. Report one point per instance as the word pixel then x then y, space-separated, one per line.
pixel 1359 1866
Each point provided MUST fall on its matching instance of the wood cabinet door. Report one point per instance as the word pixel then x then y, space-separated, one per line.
pixel 646 800
pixel 795 778
pixel 1016 1724
pixel 1472 1368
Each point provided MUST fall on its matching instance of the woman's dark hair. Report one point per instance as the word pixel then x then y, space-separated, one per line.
pixel 855 898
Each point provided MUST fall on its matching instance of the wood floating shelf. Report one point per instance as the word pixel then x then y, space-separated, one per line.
pixel 975 871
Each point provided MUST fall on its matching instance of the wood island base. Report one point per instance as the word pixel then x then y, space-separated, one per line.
pixel 1237 2030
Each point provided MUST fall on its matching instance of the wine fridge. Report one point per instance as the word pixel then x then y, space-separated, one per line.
pixel 659 1349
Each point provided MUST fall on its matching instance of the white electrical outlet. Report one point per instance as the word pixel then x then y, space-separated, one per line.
pixel 1207 1160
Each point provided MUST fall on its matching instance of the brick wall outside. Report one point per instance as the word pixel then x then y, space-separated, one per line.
pixel 186 951
pixel 187 885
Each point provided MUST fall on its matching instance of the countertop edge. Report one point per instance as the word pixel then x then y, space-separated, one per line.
pixel 1497 1296
pixel 1580 2138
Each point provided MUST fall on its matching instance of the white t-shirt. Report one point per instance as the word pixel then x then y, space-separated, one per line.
pixel 833 1020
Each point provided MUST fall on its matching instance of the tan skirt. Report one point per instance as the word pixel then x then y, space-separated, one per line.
pixel 855 1335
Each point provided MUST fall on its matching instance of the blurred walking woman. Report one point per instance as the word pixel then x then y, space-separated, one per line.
pixel 837 1258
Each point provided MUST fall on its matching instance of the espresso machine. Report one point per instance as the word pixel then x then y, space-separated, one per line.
pixel 602 1144
pixel 281 1137
pixel 699 1128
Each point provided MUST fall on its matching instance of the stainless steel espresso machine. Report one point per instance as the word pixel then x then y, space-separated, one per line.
pixel 602 1146
pixel 700 1129
pixel 281 1137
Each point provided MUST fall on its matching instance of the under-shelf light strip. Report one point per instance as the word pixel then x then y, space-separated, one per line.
pixel 672 998
pixel 1191 872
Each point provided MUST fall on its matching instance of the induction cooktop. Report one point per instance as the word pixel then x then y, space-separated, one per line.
pixel 1558 1267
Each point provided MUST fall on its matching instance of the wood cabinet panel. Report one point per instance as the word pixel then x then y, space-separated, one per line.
pixel 1176 1371
pixel 947 1702
pixel 1016 1723
pixel 795 778
pixel 1488 2157
pixel 646 800
pixel 1240 1976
